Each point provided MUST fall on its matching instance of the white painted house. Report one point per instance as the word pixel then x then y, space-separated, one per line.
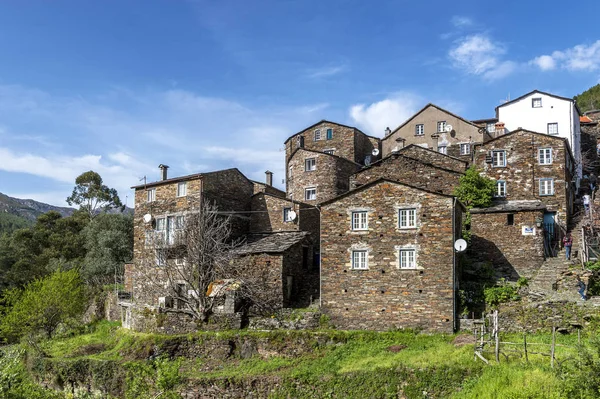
pixel 545 113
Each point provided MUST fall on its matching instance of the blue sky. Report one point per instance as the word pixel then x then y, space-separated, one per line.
pixel 122 86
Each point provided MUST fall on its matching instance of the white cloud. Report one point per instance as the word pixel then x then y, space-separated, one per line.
pixel 544 62
pixel 325 72
pixel 578 58
pixel 390 112
pixel 461 21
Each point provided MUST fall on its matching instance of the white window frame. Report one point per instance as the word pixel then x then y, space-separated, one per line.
pixel 496 164
pixel 500 189
pixel 537 100
pixel 408 223
pixel 307 190
pixel 360 259
pixel 310 164
pixel 545 156
pixel 419 129
pixel 443 149
pixel 360 221
pixel 441 126
pixel 554 127
pixel 464 146
pixel 317 134
pixel 151 195
pixel 490 127
pixel 544 187
pixel 179 261
pixel 286 214
pixel 182 189
pixel 407 258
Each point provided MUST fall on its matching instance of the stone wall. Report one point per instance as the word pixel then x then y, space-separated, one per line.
pixel 347 142
pixel 410 171
pixel 512 254
pixel 265 188
pixel 330 178
pixel 523 172
pixel 434 158
pixel 384 296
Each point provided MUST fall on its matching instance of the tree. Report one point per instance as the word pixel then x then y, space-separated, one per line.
pixel 199 264
pixel 92 195
pixel 589 99
pixel 475 191
pixel 43 305
pixel 109 244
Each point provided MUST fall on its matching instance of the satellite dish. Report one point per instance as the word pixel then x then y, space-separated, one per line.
pixel 449 128
pixel 460 245
pixel 292 215
pixel 375 152
pixel 147 218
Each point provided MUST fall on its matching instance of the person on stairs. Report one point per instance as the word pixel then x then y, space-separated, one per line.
pixel 586 203
pixel 581 288
pixel 567 243
pixel 593 182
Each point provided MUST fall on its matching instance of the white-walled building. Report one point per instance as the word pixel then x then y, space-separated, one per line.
pixel 545 113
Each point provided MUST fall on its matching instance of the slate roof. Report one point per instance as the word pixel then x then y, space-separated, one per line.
pixel 271 243
pixel 512 206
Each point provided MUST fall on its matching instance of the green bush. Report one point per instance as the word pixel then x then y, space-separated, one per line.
pixel 522 282
pixel 502 293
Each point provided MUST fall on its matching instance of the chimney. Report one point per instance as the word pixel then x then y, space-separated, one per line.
pixel 163 171
pixel 499 128
pixel 435 138
pixel 269 178
pixel 388 131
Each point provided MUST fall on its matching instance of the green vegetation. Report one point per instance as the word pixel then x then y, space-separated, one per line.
pixel 298 364
pixel 10 222
pixel 93 196
pixel 501 293
pixel 43 305
pixel 589 99
pixel 474 191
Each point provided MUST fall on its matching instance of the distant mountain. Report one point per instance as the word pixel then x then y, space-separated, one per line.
pixel 589 99
pixel 29 209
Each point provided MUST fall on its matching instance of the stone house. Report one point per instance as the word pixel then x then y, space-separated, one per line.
pixel 548 113
pixel 402 168
pixel 388 258
pixel 336 139
pixel 272 213
pixel 435 128
pixel 314 176
pixel 532 166
pixel 510 237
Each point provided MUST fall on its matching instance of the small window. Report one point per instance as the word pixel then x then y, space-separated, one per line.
pixel 442 149
pixel 419 129
pixel 290 172
pixel 310 164
pixel 499 159
pixel 407 218
pixel 329 134
pixel 545 156
pixel 536 102
pixel 151 195
pixel 407 259
pixel 161 224
pixel 287 215
pixel 182 189
pixel 300 141
pixel 465 149
pixel 317 134
pixel 441 126
pixel 330 152
pixel 310 194
pixel 179 261
pixel 500 189
pixel 359 220
pixel 553 128
pixel 546 186
pixel 360 260
pixel 510 219
pixel 179 222
pixel 490 127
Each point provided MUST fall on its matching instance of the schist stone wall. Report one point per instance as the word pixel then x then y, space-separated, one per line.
pixel 346 141
pixel 523 171
pixel 385 296
pixel 268 215
pixel 330 176
pixel 434 158
pixel 498 238
pixel 409 171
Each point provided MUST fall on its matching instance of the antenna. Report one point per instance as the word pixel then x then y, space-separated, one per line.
pixel 375 152
pixel 448 128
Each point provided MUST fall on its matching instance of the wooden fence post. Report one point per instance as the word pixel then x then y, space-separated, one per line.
pixel 553 346
pixel 497 336
pixel 525 346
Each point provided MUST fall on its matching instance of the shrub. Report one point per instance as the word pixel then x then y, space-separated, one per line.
pixel 502 293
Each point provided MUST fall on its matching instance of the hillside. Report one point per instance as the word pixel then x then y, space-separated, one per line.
pixel 589 99
pixel 16 213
